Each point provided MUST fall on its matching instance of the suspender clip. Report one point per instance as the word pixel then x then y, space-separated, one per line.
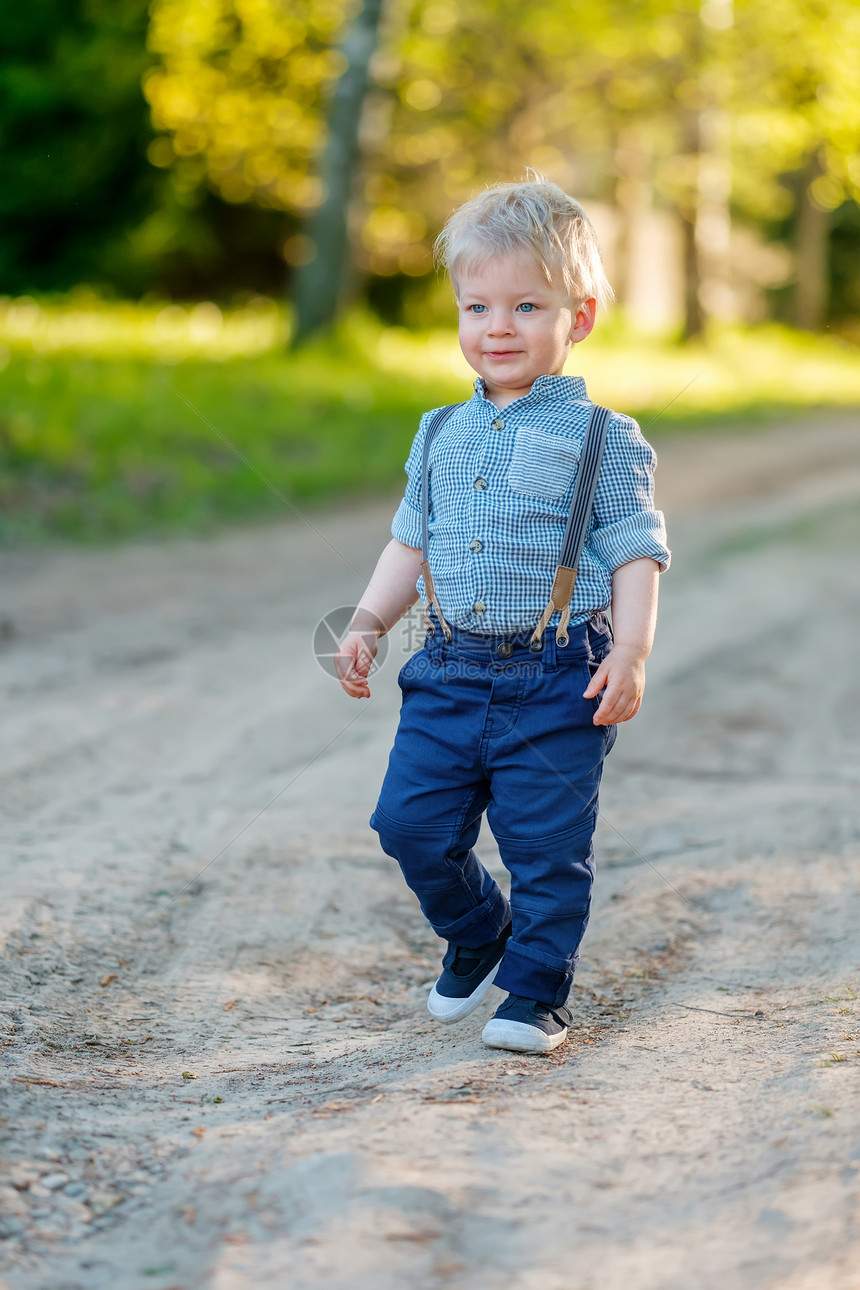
pixel 430 591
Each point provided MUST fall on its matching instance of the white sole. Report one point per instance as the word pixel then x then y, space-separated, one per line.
pixel 448 1010
pixel 519 1037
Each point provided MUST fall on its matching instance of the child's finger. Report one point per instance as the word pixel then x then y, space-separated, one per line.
pixel 605 715
pixel 363 662
pixel 355 686
pixel 597 682
pixel 352 664
pixel 343 666
pixel 348 661
pixel 617 707
pixel 613 700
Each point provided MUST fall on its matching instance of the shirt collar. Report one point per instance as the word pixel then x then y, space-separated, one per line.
pixel 545 387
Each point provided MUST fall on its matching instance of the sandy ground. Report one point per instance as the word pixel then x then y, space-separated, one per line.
pixel 218 1067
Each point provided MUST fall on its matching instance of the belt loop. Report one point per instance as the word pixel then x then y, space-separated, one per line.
pixel 600 621
pixel 598 630
pixel 549 658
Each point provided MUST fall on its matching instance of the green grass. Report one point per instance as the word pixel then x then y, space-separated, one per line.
pixel 121 419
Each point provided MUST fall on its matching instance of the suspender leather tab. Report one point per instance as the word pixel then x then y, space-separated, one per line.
pixel 431 599
pixel 562 587
pixel 559 598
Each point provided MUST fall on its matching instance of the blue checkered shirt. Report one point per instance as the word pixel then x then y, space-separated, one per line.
pixel 501 485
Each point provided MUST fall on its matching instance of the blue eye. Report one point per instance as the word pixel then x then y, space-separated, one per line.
pixel 475 309
pixel 526 308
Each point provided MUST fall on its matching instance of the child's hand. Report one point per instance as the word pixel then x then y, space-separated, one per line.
pixel 622 672
pixel 353 662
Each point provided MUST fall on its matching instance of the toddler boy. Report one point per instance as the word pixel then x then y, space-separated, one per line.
pixel 512 704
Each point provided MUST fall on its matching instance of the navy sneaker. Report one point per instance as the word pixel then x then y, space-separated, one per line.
pixel 466 977
pixel 526 1026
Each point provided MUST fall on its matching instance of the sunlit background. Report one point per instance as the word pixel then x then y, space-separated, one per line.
pixel 218 215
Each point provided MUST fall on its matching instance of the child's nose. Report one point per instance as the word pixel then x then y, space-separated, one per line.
pixel 500 323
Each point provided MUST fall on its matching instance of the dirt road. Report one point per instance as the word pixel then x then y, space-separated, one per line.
pixel 218 1071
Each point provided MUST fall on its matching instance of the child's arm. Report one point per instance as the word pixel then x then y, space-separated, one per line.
pixel 634 618
pixel 390 592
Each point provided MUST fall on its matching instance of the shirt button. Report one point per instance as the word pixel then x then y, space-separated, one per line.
pixel 480 483
pixel 476 545
pixel 479 607
pixel 497 424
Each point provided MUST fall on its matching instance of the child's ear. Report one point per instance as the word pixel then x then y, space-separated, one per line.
pixel 583 320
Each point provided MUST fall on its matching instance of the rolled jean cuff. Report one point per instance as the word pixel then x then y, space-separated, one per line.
pixel 480 925
pixel 521 974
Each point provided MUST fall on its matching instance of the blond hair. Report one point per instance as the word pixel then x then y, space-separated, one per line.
pixel 535 216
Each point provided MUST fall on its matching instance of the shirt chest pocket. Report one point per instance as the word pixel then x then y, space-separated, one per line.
pixel 543 465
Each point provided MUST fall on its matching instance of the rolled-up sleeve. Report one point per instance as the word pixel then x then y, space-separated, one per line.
pixel 406 525
pixel 626 525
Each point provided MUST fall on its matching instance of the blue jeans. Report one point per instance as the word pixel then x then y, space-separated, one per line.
pixel 508 733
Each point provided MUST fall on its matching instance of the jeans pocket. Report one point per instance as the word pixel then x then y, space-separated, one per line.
pixel 543 465
pixel 402 677
pixel 591 666
pixel 413 669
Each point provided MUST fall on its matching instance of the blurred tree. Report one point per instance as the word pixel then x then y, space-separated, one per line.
pixel 320 279
pixel 845 268
pixel 239 95
pixel 451 85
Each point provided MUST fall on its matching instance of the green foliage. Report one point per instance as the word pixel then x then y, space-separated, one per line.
pixel 474 93
pixel 116 420
pixel 845 255
pixel 85 197
pixel 98 447
pixel 793 69
pixel 73 130
pixel 239 92
pixel 469 93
